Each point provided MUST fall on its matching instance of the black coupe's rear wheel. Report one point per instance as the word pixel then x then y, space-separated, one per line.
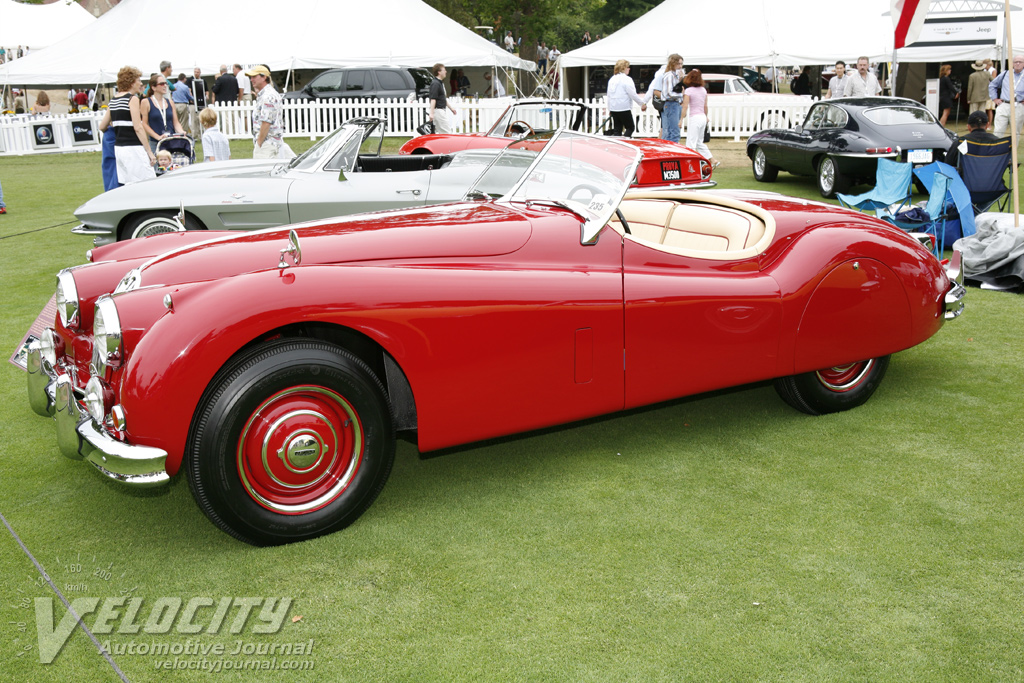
pixel 763 171
pixel 830 180
pixel 292 441
pixel 834 389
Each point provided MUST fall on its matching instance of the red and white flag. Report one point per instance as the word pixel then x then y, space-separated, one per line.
pixel 908 18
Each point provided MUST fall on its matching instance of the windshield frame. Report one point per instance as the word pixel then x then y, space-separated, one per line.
pixel 594 215
pixel 328 147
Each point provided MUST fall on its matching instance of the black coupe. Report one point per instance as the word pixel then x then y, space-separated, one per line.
pixel 840 141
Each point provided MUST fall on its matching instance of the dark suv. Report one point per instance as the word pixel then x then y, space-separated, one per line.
pixel 378 82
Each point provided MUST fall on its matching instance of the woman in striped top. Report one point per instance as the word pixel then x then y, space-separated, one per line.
pixel 131 149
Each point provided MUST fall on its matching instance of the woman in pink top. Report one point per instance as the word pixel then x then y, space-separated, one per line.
pixel 695 106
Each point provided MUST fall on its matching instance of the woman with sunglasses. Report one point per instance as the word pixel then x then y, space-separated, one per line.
pixel 158 115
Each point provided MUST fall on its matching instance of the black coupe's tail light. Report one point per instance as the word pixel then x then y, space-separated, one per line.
pixel 879 150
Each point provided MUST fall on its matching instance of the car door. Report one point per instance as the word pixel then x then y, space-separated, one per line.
pixel 327 85
pixel 337 187
pixel 329 193
pixel 359 83
pixel 799 145
pixel 529 339
pixel 393 84
pixel 695 325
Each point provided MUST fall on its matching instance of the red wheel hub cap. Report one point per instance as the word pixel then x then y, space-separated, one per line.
pixel 300 449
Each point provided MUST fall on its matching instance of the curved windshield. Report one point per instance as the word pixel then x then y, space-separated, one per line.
pixel 311 158
pixel 584 173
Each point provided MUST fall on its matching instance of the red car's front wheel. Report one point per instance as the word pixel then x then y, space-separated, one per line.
pixel 833 389
pixel 292 440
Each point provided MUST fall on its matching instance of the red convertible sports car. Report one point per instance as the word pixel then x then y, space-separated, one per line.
pixel 665 164
pixel 272 369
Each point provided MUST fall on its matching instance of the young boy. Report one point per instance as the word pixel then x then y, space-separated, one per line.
pixel 164 162
pixel 215 143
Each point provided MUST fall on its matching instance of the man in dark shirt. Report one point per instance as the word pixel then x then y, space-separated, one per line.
pixel 198 87
pixel 976 124
pixel 438 109
pixel 225 89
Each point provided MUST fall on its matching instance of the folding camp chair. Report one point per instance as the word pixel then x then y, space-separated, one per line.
pixel 983 168
pixel 934 222
pixel 892 186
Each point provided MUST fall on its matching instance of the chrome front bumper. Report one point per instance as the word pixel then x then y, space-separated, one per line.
pixel 955 295
pixel 103 235
pixel 51 393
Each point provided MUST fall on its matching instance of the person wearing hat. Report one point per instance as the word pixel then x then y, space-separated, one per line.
pixel 976 133
pixel 267 115
pixel 977 88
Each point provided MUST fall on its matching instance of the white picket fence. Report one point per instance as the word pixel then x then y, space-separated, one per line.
pixel 736 117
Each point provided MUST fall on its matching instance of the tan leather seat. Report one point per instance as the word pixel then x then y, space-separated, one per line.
pixel 707 229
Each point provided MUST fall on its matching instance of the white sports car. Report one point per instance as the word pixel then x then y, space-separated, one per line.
pixel 341 174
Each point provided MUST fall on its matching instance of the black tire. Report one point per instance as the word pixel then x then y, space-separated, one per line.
pixel 830 180
pixel 155 223
pixel 835 389
pixel 291 441
pixel 763 171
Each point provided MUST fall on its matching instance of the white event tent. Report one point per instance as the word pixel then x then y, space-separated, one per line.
pixel 38 26
pixel 298 34
pixel 795 33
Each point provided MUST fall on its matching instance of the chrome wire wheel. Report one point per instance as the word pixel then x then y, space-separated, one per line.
pixel 155 225
pixel 827 177
pixel 759 162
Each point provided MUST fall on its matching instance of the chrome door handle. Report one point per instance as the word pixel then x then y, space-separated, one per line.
pixel 415 193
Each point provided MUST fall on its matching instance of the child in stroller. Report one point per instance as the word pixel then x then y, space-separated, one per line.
pixel 180 149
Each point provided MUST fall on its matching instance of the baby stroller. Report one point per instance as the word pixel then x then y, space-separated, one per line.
pixel 182 150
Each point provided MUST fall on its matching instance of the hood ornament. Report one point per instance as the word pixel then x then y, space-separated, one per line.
pixel 293 249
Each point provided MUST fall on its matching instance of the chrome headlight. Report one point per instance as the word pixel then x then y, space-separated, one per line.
pixel 67 299
pixel 106 331
pixel 93 399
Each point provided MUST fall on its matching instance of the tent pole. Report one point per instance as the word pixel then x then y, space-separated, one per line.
pixel 1013 116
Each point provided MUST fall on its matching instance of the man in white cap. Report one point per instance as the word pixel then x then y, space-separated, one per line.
pixel 267 115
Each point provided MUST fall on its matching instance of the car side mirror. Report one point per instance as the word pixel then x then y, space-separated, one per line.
pixel 799 128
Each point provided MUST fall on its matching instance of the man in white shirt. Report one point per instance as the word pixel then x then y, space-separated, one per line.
pixel 244 86
pixel 863 83
pixel 837 84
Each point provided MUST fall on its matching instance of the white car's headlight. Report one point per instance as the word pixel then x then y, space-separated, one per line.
pixel 67 299
pixel 106 331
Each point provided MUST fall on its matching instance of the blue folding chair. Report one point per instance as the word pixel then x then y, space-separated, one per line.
pixel 934 220
pixel 892 186
pixel 983 175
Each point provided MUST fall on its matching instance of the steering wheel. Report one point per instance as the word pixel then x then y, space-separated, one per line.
pixel 622 220
pixel 528 130
pixel 594 191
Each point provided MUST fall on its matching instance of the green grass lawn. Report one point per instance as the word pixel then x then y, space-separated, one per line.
pixel 721 537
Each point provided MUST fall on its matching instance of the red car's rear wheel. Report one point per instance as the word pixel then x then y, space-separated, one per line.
pixel 833 389
pixel 291 441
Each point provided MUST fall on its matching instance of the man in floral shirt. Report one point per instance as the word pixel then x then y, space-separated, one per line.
pixel 267 115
